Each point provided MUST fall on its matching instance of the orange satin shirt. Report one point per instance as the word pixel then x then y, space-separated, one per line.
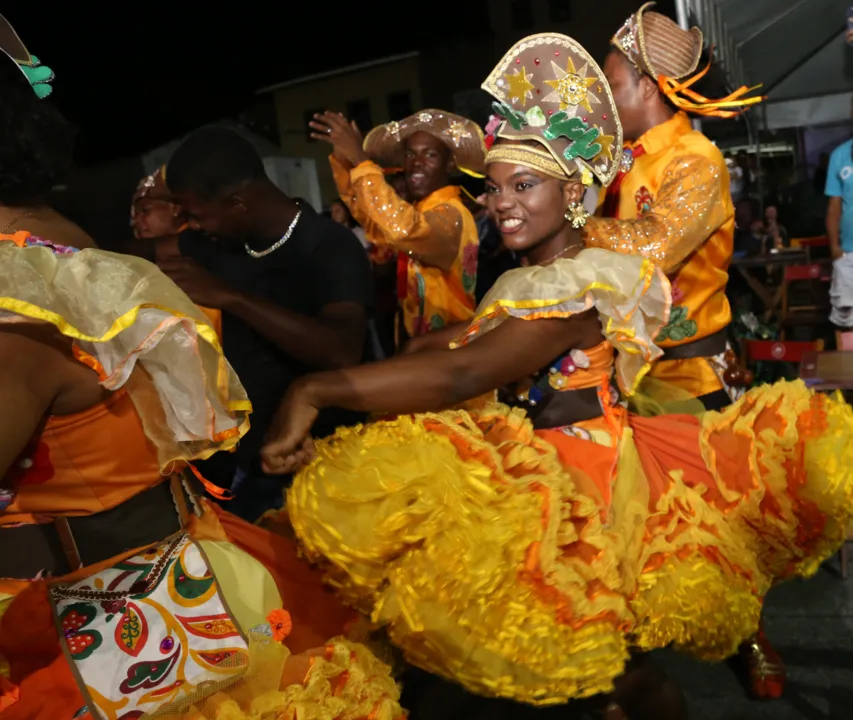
pixel 432 297
pixel 675 207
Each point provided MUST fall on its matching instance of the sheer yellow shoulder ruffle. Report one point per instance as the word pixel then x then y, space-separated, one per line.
pixel 631 296
pixel 133 326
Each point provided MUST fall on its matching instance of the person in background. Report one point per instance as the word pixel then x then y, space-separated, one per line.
pixel 748 236
pixel 339 212
pixel 672 203
pixel 775 235
pixel 294 290
pixel 156 219
pixel 839 230
pixel 25 183
pixel 434 233
pixel 157 222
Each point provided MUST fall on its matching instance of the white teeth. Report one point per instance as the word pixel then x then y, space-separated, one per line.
pixel 510 223
pixel 418 176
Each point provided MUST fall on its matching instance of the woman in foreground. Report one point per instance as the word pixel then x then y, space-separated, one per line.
pixel 123 594
pixel 526 552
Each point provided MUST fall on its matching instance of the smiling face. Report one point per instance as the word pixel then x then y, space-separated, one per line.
pixel 529 207
pixel 427 166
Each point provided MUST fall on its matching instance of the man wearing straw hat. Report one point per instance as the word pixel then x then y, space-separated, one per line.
pixel 671 203
pixel 434 233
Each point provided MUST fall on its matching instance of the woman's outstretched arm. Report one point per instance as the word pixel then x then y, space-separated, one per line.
pixel 424 382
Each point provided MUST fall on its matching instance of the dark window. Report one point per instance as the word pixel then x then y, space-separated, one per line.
pixel 522 14
pixel 309 116
pixel 561 10
pixel 359 110
pixel 399 105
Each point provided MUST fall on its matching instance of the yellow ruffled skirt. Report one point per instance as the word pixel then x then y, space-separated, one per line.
pixel 525 564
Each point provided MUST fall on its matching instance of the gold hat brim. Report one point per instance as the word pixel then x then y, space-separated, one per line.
pixel 386 144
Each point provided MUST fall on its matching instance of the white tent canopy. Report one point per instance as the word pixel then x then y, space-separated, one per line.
pixel 795 48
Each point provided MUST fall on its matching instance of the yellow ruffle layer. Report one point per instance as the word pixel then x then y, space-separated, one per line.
pixel 347 683
pixel 493 564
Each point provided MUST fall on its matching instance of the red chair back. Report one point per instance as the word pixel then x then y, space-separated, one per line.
pixel 820 241
pixel 815 271
pixel 780 350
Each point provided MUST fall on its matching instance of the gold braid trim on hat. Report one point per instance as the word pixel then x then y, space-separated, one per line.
pixel 528 156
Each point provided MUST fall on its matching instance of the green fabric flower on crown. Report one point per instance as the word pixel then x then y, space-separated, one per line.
pixel 40 77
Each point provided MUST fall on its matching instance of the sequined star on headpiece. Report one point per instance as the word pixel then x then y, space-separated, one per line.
pixel 572 88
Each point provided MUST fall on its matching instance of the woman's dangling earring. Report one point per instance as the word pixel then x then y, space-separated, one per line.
pixel 577 214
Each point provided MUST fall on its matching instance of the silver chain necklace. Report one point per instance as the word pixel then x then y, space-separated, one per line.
pixel 277 244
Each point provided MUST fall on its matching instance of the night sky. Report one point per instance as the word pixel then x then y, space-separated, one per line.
pixel 133 75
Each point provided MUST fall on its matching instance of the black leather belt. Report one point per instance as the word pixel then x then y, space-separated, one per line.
pixel 557 409
pixel 66 544
pixel 709 346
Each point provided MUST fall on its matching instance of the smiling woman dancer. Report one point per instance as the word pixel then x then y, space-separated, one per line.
pixel 527 552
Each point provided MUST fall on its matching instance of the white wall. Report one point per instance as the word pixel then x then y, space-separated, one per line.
pixel 297 177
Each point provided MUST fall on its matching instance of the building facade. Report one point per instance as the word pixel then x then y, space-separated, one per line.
pixel 444 75
pixel 369 93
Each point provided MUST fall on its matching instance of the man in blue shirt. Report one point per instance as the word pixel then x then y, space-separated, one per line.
pixel 839 230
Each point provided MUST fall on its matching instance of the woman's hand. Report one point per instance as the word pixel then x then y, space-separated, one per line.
pixel 289 445
pixel 344 136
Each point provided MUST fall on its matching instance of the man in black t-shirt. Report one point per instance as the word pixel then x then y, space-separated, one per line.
pixel 294 288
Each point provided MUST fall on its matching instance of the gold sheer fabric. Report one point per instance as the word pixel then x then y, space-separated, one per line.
pixel 687 210
pixel 631 295
pixel 132 325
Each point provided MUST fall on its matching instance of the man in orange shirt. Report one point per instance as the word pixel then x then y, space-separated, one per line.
pixel 671 203
pixel 433 232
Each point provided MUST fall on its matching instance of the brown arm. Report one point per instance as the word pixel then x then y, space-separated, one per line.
pixel 427 381
pixel 833 226
pixel 433 237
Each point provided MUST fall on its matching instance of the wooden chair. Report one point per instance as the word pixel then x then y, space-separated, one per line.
pixel 816 311
pixel 810 243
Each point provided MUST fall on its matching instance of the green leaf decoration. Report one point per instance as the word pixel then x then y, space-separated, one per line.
pixel 583 137
pixel 149 674
pixel 679 327
pixel 516 119
pixel 678 315
pixel 39 76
